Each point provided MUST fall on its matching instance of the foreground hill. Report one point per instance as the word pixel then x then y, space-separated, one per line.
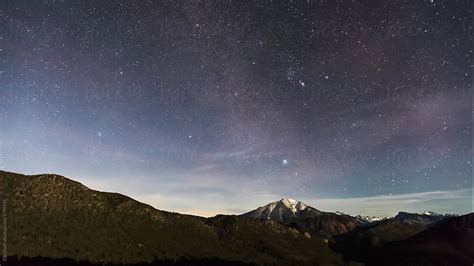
pixel 448 242
pixel 360 242
pixel 305 218
pixel 53 217
pixel 365 242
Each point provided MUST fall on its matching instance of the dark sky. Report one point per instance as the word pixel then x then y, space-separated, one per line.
pixel 220 106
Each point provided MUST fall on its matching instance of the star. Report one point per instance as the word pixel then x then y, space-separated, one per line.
pixel 335 103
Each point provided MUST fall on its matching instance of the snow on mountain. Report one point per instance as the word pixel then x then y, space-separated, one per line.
pixel 293 205
pixel 430 213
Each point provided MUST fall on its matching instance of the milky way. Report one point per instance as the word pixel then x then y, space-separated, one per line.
pixel 218 106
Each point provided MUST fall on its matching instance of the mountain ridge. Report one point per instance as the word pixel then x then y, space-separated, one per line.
pixel 305 218
pixel 295 208
pixel 54 217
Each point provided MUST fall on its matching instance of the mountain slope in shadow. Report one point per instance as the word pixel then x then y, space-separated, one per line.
pixel 448 242
pixel 360 242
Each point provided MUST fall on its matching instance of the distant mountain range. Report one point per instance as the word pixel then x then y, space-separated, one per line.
pixel 54 220
pixel 370 219
pixel 297 214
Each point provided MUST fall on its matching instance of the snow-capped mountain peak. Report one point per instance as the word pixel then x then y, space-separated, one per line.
pixel 283 209
pixel 306 218
pixel 289 201
pixel 293 204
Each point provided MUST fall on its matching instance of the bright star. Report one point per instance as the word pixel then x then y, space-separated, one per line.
pixel 284 162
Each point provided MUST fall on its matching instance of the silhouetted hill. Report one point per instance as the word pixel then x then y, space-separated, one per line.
pixel 40 261
pixel 449 242
pixel 358 243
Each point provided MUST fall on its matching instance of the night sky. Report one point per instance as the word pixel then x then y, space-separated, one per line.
pixel 209 107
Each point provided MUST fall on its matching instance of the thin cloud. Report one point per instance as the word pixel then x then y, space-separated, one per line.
pixel 387 205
